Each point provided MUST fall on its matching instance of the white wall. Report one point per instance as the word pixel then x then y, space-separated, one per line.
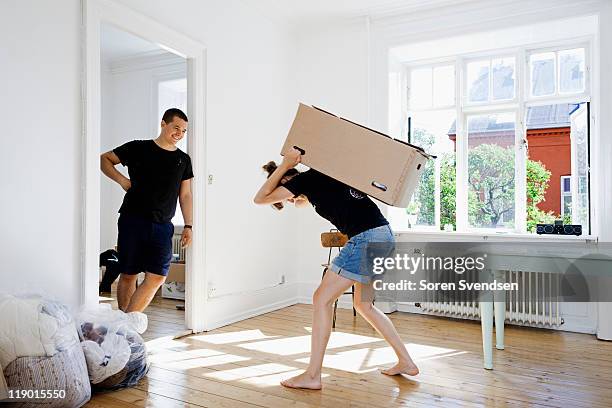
pixel 249 104
pixel 41 158
pixel 331 69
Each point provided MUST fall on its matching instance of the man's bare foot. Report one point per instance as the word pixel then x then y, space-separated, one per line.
pixel 303 380
pixel 403 367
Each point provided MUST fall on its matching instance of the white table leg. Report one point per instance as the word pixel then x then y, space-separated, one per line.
pixel 486 322
pixel 500 312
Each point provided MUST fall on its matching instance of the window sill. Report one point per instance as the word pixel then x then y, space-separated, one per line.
pixel 424 235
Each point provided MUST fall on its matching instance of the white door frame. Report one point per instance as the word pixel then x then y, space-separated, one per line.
pixel 94 13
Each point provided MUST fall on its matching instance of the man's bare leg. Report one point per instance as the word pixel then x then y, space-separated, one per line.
pixel 145 292
pixel 125 290
pixel 383 325
pixel 331 287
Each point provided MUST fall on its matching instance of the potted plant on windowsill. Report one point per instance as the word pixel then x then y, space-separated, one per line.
pixel 413 212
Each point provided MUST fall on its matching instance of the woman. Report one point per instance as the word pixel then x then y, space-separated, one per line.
pixel 355 215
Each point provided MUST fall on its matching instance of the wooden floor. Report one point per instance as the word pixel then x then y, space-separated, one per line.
pixel 240 365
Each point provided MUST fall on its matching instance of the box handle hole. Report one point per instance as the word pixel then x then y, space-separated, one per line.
pixel 379 186
pixel 302 151
pixel 418 166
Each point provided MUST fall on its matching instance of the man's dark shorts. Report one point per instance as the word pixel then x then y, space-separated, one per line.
pixel 144 245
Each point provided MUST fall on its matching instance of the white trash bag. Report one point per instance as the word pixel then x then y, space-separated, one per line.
pixel 114 350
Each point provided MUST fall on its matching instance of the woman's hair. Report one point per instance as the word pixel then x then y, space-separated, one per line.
pixel 269 168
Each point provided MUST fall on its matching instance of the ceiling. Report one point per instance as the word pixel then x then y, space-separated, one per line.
pixel 300 11
pixel 117 44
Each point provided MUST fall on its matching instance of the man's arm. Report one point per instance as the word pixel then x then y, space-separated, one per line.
pixel 186 203
pixel 108 161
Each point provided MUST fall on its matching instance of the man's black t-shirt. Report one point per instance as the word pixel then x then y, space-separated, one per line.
pixel 350 210
pixel 156 175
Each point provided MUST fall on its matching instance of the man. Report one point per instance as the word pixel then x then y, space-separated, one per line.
pixel 159 174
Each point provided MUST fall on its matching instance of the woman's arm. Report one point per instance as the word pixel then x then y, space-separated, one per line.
pixel 270 192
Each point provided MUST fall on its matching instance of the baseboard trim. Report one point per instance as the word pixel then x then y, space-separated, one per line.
pixel 252 313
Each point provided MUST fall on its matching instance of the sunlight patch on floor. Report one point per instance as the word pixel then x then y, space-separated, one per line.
pixel 203 362
pixel 232 337
pixel 369 359
pixel 174 356
pixel 164 343
pixel 301 344
pixel 250 371
pixel 273 380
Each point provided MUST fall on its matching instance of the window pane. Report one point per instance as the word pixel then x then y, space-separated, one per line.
pixel 444 86
pixel 571 70
pixel 491 170
pixel 502 70
pixel 434 131
pixel 420 88
pixel 478 81
pixel 542 68
pixel 566 185
pixel 557 157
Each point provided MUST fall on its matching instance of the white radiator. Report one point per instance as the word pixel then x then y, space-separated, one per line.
pixel 535 303
pixel 176 247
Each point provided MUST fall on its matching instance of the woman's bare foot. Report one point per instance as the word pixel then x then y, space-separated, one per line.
pixel 303 380
pixel 402 367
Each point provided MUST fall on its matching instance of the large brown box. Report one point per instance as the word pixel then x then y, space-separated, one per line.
pixel 367 160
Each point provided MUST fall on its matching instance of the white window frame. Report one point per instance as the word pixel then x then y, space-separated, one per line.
pixel 521 102
pixel 558 96
pixel 437 186
pixel 490 101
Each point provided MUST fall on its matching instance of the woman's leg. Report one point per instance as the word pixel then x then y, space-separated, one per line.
pixel 364 294
pixel 331 287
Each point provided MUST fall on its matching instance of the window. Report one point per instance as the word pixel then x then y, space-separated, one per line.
pixel 172 93
pixel 491 80
pixel 432 87
pixel 557 73
pixel 432 120
pixel 504 156
pixel 491 157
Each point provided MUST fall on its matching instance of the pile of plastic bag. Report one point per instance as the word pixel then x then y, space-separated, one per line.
pixel 115 352
pixel 40 350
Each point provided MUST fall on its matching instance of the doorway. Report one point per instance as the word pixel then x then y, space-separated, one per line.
pixel 124 51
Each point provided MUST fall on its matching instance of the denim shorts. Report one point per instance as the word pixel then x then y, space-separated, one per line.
pixel 352 261
pixel 144 245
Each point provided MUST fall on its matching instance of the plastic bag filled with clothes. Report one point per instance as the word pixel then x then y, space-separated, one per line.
pixel 114 350
pixel 40 351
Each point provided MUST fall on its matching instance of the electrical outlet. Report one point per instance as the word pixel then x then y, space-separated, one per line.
pixel 212 291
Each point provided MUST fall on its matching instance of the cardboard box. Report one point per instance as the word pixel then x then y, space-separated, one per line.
pixel 365 159
pixel 176 272
pixel 174 287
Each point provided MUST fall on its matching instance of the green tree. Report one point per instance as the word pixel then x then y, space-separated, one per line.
pixel 537 184
pixel 491 178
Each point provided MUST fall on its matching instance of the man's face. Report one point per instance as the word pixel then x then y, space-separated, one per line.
pixel 174 131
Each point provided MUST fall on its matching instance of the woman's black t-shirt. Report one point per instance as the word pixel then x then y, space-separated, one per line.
pixel 350 210
pixel 156 175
